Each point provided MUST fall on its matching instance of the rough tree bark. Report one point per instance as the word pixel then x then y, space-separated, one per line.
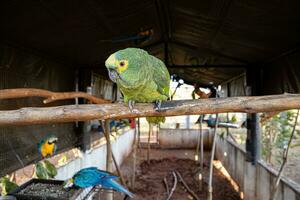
pixel 48 95
pixel 105 124
pixel 72 113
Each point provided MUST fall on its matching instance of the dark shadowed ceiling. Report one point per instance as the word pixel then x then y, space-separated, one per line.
pixel 224 35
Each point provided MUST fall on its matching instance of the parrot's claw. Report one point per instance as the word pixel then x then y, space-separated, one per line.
pixel 157 106
pixel 131 104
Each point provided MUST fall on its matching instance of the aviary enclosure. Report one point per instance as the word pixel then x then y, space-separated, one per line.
pixel 66 133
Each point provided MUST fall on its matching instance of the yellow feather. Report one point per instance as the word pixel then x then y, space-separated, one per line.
pixel 47 149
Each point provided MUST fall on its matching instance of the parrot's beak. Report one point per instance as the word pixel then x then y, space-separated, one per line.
pixel 68 183
pixel 113 75
pixel 53 140
pixel 110 64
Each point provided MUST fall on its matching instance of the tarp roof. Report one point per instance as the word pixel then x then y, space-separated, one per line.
pixel 197 32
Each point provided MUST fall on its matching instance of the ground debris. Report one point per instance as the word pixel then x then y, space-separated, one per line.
pixel 149 184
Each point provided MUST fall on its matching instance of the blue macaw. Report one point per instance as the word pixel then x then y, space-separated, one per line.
pixel 92 176
pixel 47 145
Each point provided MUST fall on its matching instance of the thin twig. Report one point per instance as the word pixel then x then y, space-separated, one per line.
pixel 48 95
pixel 174 186
pixel 186 186
pixel 118 170
pixel 285 157
pixel 166 186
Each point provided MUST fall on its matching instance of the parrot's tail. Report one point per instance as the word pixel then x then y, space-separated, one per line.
pixel 155 120
pixel 116 186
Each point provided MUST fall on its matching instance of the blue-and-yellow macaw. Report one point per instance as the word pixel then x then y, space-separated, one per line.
pixel 47 146
pixel 92 176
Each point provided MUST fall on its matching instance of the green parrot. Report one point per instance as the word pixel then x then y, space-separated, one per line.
pixel 7 186
pixel 155 120
pixel 45 170
pixel 139 76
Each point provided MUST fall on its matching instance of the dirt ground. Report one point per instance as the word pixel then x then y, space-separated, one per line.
pixel 149 179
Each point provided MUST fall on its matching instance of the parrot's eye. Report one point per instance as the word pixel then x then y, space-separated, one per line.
pixel 122 63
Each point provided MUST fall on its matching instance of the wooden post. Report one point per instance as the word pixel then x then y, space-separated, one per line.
pixel 139 133
pixel 213 148
pixel 134 158
pixel 149 137
pixel 106 129
pixel 157 132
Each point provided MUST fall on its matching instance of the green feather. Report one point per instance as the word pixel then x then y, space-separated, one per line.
pixel 145 80
pixel 7 186
pixel 155 120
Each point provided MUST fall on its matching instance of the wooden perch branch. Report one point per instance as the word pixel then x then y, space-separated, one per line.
pixel 71 113
pixel 50 96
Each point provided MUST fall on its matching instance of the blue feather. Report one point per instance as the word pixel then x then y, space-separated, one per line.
pixel 92 176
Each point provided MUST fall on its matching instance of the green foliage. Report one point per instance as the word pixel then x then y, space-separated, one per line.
pixel 7 186
pixel 45 170
pixel 275 135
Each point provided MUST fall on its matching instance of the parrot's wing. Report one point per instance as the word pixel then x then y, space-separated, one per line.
pixel 39 146
pixel 161 76
pixel 55 148
pixel 106 174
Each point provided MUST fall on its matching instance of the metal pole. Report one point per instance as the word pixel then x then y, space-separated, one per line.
pixel 209 187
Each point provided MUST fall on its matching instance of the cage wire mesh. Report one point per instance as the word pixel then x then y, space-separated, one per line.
pixel 18 144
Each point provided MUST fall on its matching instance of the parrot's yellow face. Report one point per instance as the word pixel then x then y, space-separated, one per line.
pixel 124 66
pixel 116 64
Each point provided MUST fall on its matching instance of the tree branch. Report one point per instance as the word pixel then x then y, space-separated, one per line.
pixel 48 95
pixel 70 113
